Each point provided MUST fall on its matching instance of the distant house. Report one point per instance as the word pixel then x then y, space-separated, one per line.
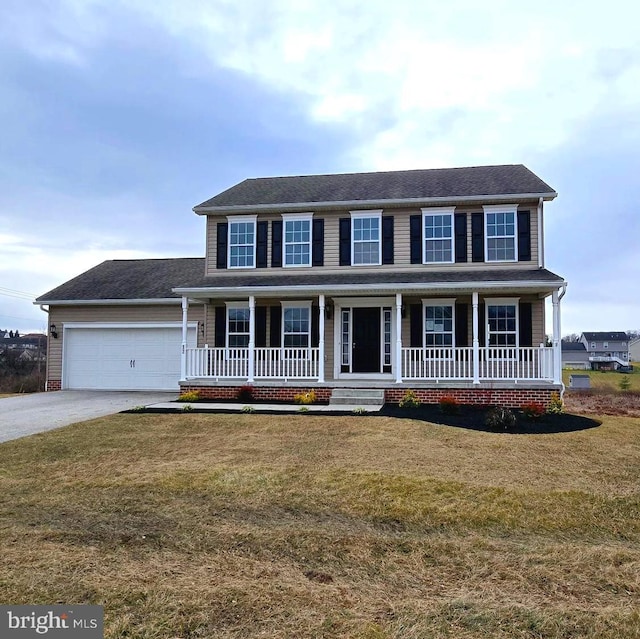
pixel 606 350
pixel 575 355
pixel 634 350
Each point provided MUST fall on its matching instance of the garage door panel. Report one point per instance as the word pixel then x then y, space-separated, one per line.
pixel 123 358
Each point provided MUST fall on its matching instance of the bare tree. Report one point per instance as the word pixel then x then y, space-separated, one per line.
pixel 571 337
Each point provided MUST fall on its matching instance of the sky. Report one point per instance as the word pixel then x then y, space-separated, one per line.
pixel 117 117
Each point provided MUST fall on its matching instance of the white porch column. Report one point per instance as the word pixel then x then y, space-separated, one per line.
pixel 321 329
pixel 398 338
pixel 252 338
pixel 476 339
pixel 183 351
pixel 557 343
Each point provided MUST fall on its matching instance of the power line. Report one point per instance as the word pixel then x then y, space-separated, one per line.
pixel 17 294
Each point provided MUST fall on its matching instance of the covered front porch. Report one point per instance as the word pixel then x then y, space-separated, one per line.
pixel 474 339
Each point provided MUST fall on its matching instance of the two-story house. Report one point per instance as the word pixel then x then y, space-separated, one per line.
pixel 606 350
pixel 432 280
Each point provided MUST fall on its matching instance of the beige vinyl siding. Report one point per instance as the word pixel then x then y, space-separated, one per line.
pixel 59 315
pixel 402 255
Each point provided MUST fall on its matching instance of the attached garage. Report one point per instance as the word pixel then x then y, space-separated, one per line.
pixel 123 356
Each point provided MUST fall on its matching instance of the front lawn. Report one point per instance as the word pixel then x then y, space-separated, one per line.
pixel 242 525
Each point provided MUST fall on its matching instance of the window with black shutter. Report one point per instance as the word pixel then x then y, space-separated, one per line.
pixel 345 241
pixel 222 229
pixel 318 243
pixel 415 238
pixel 261 246
pixel 276 243
pixel 387 239
pixel 524 236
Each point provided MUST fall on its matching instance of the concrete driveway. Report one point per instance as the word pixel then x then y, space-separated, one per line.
pixel 38 412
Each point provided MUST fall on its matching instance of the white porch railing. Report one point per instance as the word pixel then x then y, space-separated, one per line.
pixel 495 363
pixel 269 363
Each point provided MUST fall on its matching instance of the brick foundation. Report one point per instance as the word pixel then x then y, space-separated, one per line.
pixel 260 393
pixel 509 397
pixel 54 385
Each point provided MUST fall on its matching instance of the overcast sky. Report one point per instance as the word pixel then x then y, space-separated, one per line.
pixel 119 116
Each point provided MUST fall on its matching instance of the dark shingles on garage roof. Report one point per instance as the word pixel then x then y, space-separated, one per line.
pixel 129 279
pixel 573 346
pixel 510 179
pixel 614 336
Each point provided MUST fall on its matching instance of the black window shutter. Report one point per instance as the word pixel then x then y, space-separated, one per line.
pixel 261 326
pixel 460 224
pixel 221 245
pixel 345 241
pixel 387 239
pixel 315 326
pixel 526 323
pixel 261 245
pixel 220 326
pixel 276 243
pixel 524 236
pixel 462 325
pixel 482 325
pixel 275 333
pixel 477 237
pixel 317 251
pixel 415 321
pixel 415 238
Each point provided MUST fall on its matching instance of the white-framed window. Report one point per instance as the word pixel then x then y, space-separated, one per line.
pixel 439 323
pixel 296 324
pixel 345 332
pixel 242 241
pixel 386 333
pixel 437 234
pixel 297 237
pixel 501 231
pixel 502 322
pixel 237 326
pixel 366 237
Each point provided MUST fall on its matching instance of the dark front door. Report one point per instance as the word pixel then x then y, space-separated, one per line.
pixel 366 340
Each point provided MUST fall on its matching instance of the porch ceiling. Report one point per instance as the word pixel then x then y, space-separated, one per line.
pixel 416 282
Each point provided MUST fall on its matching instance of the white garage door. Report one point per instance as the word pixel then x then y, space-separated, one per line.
pixel 123 357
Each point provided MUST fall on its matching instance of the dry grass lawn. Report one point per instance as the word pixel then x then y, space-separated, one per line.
pixel 243 525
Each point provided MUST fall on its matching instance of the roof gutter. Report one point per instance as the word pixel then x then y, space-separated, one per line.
pixel 341 288
pixel 299 206
pixel 121 302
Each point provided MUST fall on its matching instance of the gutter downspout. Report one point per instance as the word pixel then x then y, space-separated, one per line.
pixel 540 235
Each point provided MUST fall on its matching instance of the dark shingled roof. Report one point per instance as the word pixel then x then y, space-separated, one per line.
pixel 155 279
pixel 615 336
pixel 511 179
pixel 379 277
pixel 129 279
pixel 573 346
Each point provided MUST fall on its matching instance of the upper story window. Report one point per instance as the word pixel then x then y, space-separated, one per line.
pixel 242 242
pixel 593 345
pixel 297 240
pixel 366 237
pixel 500 233
pixel 296 324
pixel 502 322
pixel 439 323
pixel 237 326
pixel 605 345
pixel 438 235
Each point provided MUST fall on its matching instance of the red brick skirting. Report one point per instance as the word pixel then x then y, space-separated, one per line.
pixel 509 397
pixel 54 385
pixel 259 393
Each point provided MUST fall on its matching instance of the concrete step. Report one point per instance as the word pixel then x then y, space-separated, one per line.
pixel 357 396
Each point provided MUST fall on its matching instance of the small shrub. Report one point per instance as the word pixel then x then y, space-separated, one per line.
pixel 138 409
pixel 303 409
pixel 189 396
pixel 187 408
pixel 308 397
pixel 500 418
pixel 625 384
pixel 449 404
pixel 245 393
pixel 556 405
pixel 410 400
pixel 359 411
pixel 533 410
pixel 248 409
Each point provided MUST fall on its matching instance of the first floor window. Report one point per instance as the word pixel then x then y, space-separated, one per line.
pixel 365 239
pixel 500 234
pixel 242 246
pixel 502 325
pixel 297 242
pixel 346 336
pixel 438 327
pixel 296 326
pixel 238 327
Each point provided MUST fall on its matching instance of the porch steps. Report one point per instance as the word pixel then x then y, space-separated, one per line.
pixel 357 397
